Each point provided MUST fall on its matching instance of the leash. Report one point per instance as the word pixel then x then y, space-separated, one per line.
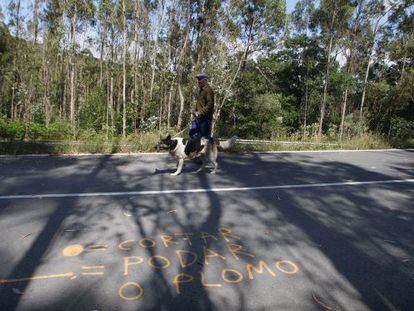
pixel 179 133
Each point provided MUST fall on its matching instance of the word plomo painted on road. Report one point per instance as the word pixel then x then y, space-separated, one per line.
pixel 191 261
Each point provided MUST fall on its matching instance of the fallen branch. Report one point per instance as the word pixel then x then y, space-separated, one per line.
pixel 321 303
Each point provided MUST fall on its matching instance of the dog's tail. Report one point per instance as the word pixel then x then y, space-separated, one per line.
pixel 227 144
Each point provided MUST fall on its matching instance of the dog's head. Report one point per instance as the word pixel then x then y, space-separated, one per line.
pixel 165 143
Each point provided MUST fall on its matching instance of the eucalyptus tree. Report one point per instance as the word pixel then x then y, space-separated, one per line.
pixel 169 57
pixel 181 36
pixel 377 13
pixel 1 14
pixel 54 74
pixel 301 18
pixel 178 56
pixel 16 19
pixel 108 22
pixel 34 23
pixel 353 46
pixel 6 73
pixel 161 10
pixel 126 14
pixel 151 10
pixel 399 48
pixel 79 13
pixel 15 22
pixel 135 60
pixel 33 65
pixel 259 24
pixel 103 15
pixel 401 33
pixel 302 15
pixel 37 65
pixel 205 20
pixel 332 18
pixel 25 64
pixel 106 25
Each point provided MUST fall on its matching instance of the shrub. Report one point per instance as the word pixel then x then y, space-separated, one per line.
pixel 311 131
pixel 401 129
pixel 59 131
pixel 92 113
pixel 11 130
pixel 150 124
pixel 37 131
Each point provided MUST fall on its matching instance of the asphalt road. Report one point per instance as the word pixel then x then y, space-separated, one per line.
pixel 277 231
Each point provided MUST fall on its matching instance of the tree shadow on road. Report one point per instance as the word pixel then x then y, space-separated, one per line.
pixel 37 253
pixel 352 244
pixel 364 232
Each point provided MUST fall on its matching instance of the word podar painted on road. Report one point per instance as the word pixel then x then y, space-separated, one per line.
pixel 190 259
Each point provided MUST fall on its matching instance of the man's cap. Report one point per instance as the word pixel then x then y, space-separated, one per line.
pixel 202 75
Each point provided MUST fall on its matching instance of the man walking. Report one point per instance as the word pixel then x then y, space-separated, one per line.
pixel 202 111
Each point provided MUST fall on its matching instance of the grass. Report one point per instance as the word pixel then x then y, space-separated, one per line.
pixel 364 141
pixel 145 142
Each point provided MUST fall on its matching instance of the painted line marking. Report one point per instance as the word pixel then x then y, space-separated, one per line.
pixel 69 155
pixel 201 190
pixel 330 151
pixel 40 277
pixel 93 267
pixel 97 247
pixel 93 273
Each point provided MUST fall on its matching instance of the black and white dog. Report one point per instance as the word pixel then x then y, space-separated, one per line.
pixel 184 149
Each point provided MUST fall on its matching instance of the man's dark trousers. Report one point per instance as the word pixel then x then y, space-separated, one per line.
pixel 201 127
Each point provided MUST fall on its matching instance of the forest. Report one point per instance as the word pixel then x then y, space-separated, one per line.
pixel 115 70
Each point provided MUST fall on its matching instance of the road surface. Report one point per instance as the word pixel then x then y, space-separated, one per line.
pixel 270 231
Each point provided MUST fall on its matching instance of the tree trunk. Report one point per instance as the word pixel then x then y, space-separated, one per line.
pixel 46 81
pixel 155 48
pixel 101 54
pixel 365 84
pixel 325 88
pixel 12 107
pixel 64 87
pixel 306 108
pixel 145 59
pixel 161 106
pixel 343 114
pixel 179 67
pixel 111 102
pixel 169 105
pixel 36 20
pixel 242 59
pixel 144 100
pixel 63 61
pixel 124 69
pixel 111 86
pixel 371 51
pixel 118 103
pixel 72 69
pixel 134 97
pixel 180 114
pixel 108 100
pixel 403 66
pixel 200 38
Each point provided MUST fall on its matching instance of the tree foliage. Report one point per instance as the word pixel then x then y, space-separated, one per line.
pixel 124 66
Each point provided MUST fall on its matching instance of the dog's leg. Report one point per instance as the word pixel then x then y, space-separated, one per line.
pixel 179 167
pixel 203 161
pixel 215 165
